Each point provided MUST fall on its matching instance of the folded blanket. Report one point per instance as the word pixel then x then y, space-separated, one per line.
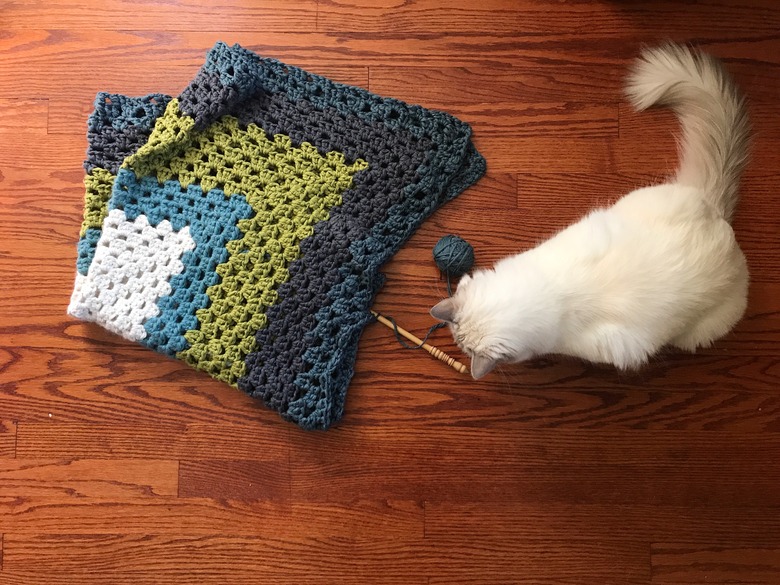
pixel 241 226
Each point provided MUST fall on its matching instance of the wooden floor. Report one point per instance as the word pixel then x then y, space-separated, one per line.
pixel 119 466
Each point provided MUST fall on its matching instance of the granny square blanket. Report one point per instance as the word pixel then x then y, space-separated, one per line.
pixel 241 226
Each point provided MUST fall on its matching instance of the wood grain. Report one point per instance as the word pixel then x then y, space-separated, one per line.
pixel 120 466
pixel 534 17
pixel 524 154
pixel 683 563
pixel 176 15
pixel 234 575
pixel 516 120
pixel 235 480
pixel 698 526
pixel 400 558
pixel 359 519
pixel 116 478
pixel 7 438
pixel 419 16
pixel 261 441
pixel 538 80
pixel 540 466
pixel 30 115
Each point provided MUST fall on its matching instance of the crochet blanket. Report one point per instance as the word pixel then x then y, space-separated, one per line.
pixel 241 226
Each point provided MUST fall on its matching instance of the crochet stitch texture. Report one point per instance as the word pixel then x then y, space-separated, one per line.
pixel 241 226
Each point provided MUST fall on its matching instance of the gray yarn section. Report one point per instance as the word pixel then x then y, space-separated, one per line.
pixel 272 370
pixel 119 126
pixel 417 160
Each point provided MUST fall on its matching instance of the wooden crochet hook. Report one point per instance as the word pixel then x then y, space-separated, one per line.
pixel 435 352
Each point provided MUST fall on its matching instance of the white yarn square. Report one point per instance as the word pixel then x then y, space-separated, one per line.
pixel 133 265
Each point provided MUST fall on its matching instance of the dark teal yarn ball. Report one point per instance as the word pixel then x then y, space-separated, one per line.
pixel 453 255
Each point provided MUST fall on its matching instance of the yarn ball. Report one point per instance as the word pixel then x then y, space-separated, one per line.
pixel 453 255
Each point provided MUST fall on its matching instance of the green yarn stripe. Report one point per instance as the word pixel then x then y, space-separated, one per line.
pixel 290 189
pixel 97 185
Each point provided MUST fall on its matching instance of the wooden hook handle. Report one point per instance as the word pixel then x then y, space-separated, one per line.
pixel 435 352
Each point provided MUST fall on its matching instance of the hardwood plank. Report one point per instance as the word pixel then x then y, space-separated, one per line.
pixel 544 79
pixel 524 154
pixel 552 580
pixel 692 449
pixel 64 63
pixel 44 195
pixel 694 525
pixel 574 194
pixel 409 558
pixel 495 190
pixel 61 62
pixel 70 115
pixel 129 61
pixel 115 478
pixel 504 404
pixel 573 559
pixel 7 439
pixel 419 16
pixel 537 80
pixel 677 393
pixel 674 563
pixel 179 15
pixel 364 520
pixel 532 17
pixel 70 63
pixel 542 466
pixel 29 115
pixel 258 442
pixel 234 480
pixel 651 20
pixel 238 576
pixel 152 388
pixel 49 153
pixel 516 120
pixel 360 519
pixel 759 80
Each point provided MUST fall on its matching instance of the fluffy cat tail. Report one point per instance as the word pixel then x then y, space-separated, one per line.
pixel 712 112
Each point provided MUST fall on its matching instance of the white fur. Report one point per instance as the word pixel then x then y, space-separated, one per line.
pixel 659 267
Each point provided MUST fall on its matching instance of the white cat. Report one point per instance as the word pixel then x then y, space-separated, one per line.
pixel 661 266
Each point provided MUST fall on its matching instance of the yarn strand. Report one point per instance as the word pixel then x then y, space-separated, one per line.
pixel 455 257
pixel 400 338
pixel 434 351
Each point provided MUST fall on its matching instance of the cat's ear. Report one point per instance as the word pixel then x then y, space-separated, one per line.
pixel 482 366
pixel 444 311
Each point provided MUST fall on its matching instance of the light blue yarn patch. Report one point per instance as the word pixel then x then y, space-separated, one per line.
pixel 213 221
